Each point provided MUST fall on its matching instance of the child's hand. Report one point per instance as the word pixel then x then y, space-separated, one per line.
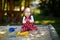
pixel 27 19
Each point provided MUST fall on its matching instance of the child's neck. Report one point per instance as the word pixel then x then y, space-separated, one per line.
pixel 27 16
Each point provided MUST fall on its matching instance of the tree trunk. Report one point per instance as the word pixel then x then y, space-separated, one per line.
pixel 11 4
pixel 0 11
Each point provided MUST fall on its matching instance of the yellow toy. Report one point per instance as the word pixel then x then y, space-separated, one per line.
pixel 2 36
pixel 22 33
pixel 2 32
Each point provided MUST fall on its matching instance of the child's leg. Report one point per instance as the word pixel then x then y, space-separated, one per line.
pixel 32 27
pixel 23 29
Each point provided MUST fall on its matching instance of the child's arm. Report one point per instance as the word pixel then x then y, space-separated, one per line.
pixel 32 19
pixel 23 21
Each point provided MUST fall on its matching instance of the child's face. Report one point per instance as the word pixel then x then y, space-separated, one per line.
pixel 27 12
pixel 38 0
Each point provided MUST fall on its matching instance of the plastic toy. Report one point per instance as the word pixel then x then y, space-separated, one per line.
pixel 12 36
pixel 11 29
pixel 1 32
pixel 22 33
pixel 2 36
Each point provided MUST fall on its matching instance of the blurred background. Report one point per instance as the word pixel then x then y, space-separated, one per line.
pixel 44 12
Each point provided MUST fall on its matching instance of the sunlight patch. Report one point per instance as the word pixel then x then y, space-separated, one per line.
pixel 36 22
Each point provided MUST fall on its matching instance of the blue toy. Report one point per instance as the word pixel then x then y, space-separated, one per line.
pixel 12 36
pixel 11 29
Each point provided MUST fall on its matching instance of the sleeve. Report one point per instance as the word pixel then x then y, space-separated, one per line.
pixel 32 19
pixel 23 21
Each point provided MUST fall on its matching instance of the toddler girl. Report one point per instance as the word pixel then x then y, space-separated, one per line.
pixel 28 21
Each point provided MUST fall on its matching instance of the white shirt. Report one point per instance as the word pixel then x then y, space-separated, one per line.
pixel 31 20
